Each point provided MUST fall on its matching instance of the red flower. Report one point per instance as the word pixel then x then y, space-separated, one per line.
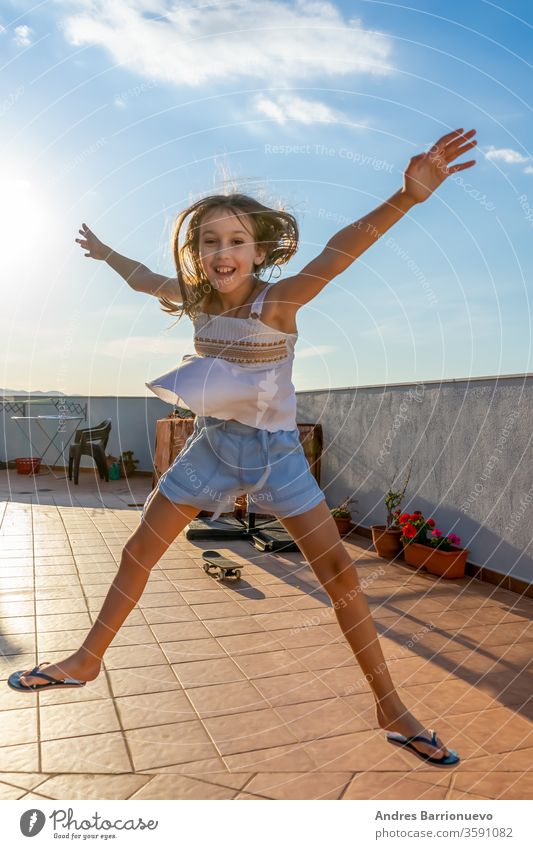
pixel 410 531
pixel 405 517
pixel 417 513
pixel 431 523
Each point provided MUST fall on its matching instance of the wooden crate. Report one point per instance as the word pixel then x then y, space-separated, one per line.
pixel 171 434
pixel 311 439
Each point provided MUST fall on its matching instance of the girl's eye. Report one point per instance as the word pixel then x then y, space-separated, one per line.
pixel 210 241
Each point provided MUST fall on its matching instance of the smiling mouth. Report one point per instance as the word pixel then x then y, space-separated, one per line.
pixel 224 272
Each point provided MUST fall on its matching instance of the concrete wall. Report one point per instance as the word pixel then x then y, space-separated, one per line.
pixel 133 429
pixel 470 446
pixel 469 442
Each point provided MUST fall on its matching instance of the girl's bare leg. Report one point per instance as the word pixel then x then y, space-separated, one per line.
pixel 318 538
pixel 163 520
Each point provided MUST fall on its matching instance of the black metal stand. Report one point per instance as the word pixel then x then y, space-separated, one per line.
pixel 270 535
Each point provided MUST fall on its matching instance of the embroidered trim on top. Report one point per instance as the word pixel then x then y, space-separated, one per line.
pixel 242 350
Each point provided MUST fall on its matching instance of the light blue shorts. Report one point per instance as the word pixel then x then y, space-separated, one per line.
pixel 223 459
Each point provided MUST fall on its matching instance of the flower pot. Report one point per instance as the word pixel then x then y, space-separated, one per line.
pixel 28 465
pixel 447 564
pixel 386 541
pixel 344 524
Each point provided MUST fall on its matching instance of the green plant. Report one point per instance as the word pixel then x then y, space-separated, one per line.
pixel 393 501
pixel 343 510
pixel 182 413
pixel 128 462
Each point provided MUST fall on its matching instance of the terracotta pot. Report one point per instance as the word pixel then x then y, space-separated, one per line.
pixel 387 542
pixel 344 525
pixel 447 564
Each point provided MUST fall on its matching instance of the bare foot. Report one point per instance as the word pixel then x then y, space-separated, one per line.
pixel 79 665
pixel 399 719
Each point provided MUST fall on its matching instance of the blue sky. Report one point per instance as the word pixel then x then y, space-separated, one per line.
pixel 119 115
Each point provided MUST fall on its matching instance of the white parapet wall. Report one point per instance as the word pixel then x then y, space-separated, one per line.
pixel 470 445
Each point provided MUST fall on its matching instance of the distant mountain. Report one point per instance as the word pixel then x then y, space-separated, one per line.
pixel 37 392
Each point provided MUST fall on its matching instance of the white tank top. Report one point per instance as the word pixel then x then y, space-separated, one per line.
pixel 242 370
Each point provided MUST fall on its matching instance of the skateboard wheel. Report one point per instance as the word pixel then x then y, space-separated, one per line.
pixel 237 573
pixel 206 567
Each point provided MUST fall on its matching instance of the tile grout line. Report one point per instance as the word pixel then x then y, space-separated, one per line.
pixel 105 670
pixel 36 638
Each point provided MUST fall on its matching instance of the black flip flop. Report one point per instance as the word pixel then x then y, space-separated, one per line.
pixel 451 759
pixel 57 683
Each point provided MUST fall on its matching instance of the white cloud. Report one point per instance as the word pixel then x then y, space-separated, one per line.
pixel 505 154
pixel 22 37
pixel 528 169
pixel 316 351
pixel 288 107
pixel 192 43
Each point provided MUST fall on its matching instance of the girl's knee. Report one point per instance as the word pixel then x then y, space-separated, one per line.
pixel 339 577
pixel 137 552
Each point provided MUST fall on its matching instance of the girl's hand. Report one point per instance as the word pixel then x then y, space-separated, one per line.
pixel 427 171
pixel 96 248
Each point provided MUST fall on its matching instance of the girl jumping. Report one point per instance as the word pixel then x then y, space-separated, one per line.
pixel 245 437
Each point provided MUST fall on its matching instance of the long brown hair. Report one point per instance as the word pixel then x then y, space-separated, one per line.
pixel 274 230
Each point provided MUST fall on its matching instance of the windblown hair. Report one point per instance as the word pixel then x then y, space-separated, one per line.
pixel 274 230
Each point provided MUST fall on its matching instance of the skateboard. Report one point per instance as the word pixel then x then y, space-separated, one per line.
pixel 223 566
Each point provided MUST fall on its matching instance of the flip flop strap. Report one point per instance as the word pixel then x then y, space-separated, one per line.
pixel 422 739
pixel 37 674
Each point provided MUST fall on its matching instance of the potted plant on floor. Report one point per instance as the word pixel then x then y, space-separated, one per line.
pixel 127 464
pixel 425 546
pixel 387 538
pixel 343 516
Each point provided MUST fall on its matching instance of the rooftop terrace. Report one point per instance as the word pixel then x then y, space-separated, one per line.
pixel 246 690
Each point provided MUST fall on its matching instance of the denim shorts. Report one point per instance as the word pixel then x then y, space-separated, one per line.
pixel 225 458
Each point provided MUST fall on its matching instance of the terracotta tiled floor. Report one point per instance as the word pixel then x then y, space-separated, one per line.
pixel 228 691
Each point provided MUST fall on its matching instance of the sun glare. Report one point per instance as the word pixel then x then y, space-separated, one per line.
pixel 22 221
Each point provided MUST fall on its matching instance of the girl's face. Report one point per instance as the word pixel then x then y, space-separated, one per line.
pixel 228 252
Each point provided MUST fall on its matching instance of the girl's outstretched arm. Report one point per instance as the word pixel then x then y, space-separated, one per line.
pixel 422 176
pixel 137 275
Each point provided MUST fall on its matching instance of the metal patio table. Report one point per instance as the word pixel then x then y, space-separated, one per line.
pixel 39 420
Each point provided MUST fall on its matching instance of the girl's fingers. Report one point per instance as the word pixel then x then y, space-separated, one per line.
pixel 459 141
pixel 449 156
pixel 462 165
pixel 463 149
pixel 445 139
